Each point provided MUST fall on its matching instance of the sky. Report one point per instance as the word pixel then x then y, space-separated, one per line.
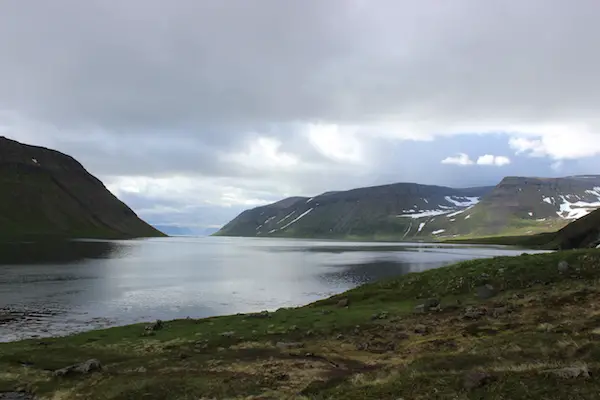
pixel 192 111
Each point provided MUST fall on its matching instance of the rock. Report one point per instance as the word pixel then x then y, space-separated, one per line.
pixel 262 314
pixel 499 311
pixel 343 303
pixel 86 367
pixel 158 325
pixel 419 309
pixel 473 313
pixel 228 334
pixel 570 372
pixel 380 315
pixel 16 396
pixel 141 370
pixel 486 291
pixel 421 329
pixel 289 345
pixel 428 305
pixel 475 379
pixel 563 266
pixel 340 337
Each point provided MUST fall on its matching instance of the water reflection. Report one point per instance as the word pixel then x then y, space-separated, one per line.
pixel 58 251
pixel 63 287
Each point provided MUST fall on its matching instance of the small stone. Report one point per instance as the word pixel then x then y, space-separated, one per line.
pixel 380 315
pixel 499 311
pixel 343 303
pixel 158 325
pixel 86 367
pixel 432 303
pixel 421 308
pixel 473 313
pixel 486 291
pixel 339 337
pixel 228 334
pixel 260 315
pixel 475 379
pixel 421 329
pixel 141 370
pixel 563 266
pixel 571 372
pixel 289 345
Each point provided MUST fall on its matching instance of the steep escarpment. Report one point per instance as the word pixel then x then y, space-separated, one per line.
pixel 44 193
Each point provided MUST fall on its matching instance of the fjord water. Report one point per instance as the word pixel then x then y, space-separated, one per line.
pixel 64 287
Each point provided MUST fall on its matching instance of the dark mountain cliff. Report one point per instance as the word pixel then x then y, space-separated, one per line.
pixel 45 193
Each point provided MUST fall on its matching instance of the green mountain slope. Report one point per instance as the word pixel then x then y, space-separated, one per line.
pixel 516 206
pixel 390 211
pixel 44 193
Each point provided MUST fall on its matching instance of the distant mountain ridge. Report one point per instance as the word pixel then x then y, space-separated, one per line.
pixel 44 193
pixel 403 211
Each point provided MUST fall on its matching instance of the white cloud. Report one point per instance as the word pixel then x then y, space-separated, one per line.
pixel 460 159
pixel 336 142
pixel 560 141
pixel 263 153
pixel 490 159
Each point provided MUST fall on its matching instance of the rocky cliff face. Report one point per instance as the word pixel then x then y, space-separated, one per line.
pixel 46 193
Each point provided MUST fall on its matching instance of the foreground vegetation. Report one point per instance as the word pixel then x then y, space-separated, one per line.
pixel 525 327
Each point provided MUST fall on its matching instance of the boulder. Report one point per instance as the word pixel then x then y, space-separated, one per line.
pixel 563 267
pixel 570 372
pixel 158 325
pixel 343 303
pixel 421 329
pixel 485 292
pixel 473 313
pixel 84 368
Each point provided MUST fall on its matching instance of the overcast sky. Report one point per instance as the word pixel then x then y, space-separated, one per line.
pixel 191 111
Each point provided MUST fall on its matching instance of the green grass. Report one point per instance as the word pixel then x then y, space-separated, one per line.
pixel 374 348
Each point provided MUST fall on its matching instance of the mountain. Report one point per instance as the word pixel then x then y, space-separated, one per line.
pixel 391 211
pixel 44 193
pixel 516 206
pixel 582 233
pixel 176 230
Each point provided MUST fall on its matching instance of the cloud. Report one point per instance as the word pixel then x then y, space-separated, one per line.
pixel 460 159
pixel 489 159
pixel 188 101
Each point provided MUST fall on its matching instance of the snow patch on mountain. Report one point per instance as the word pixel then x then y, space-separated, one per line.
pixel 462 201
pixel 426 213
pixel 576 209
pixel 438 231
pixel 297 218
pixel 421 226
pixel 286 217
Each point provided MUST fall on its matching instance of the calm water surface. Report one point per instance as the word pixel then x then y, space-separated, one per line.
pixel 60 288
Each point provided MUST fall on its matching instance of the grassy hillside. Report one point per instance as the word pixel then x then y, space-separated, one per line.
pixel 581 233
pixel 44 193
pixel 525 327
